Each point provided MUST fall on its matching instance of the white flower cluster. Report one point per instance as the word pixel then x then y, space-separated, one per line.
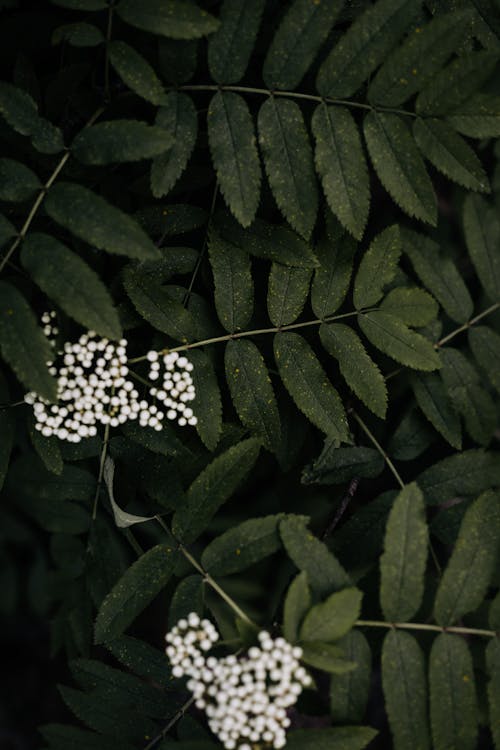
pixel 177 388
pixel 245 698
pixel 93 388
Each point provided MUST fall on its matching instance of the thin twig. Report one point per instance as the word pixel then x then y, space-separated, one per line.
pixel 467 325
pixel 377 445
pixel 199 260
pixel 424 626
pixel 175 718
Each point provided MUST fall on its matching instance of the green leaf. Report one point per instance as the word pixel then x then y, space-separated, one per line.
pixel 359 540
pixel 140 584
pixel 466 473
pixel 136 72
pixel 485 346
pixel 92 219
pixel 341 164
pixel 339 465
pixel 17 182
pixel 411 438
pixel 433 400
pixel 439 274
pixel 268 241
pixel 7 230
pixel 288 160
pixel 233 283
pixel 326 657
pixel 187 597
pixel 171 18
pixel 140 657
pixel 377 268
pixel 78 35
pixel 153 303
pixel 399 166
pixel 477 117
pixel 231 136
pixel 22 343
pixel 421 56
pixel 230 48
pixel 393 337
pixel 301 34
pixel 212 488
pixel 358 369
pixel 71 283
pixel 207 404
pixel 411 305
pixel 332 278
pixel 468 573
pixel 308 385
pixel 402 566
pixel 324 572
pixel 469 398
pixel 335 738
pixel 47 449
pixel 331 619
pixel 449 153
pixel 243 546
pixel 364 46
pixel 298 601
pixel 405 691
pixel 482 235
pixel 287 293
pixel 493 665
pixel 120 141
pixel 349 691
pixel 21 112
pixel 252 392
pixel 453 706
pixel 455 84
pixel 178 117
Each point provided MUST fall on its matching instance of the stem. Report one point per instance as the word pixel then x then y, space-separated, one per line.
pixel 175 718
pixel 41 195
pixel 203 248
pixel 424 626
pixel 206 576
pixel 379 448
pixel 256 332
pixel 102 461
pixel 467 325
pixel 295 95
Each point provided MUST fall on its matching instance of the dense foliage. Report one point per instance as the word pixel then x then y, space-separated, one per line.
pixel 303 199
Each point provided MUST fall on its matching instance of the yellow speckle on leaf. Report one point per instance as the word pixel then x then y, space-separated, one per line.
pixel 10 312
pixel 466 678
pixel 414 71
pixel 238 551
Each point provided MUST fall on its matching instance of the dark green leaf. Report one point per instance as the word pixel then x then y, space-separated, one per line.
pixel 178 117
pixel 399 165
pixel 439 274
pixel 377 268
pixel 136 72
pixel 94 220
pixel 212 488
pixel 17 182
pixel 478 116
pixel 252 392
pixel 171 18
pixel 233 283
pixel 287 292
pixel 453 706
pixel 141 583
pixel 405 691
pixel 422 54
pixel 7 230
pixel 300 35
pixel 339 465
pixel 485 346
pixel 207 403
pixel 456 83
pixel 22 343
pixel 241 547
pixel 331 619
pixel 288 160
pixel 326 657
pixel 308 385
pixel 324 572
pixel 393 337
pixel 120 141
pixel 482 234
pixel 234 152
pixel 78 35
pixel 140 657
pixel 449 153
pixel 332 277
pixel 468 573
pixel 359 370
pixel 413 306
pixel 402 566
pixel 229 49
pixel 432 398
pixel 335 738
pixel 82 4
pixel 466 473
pixel 71 283
pixel 21 112
pixel 411 438
pixel 493 666
pixel 187 597
pixel 298 601
pixel 341 164
pixel 349 691
pixel 47 449
pixel 364 46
